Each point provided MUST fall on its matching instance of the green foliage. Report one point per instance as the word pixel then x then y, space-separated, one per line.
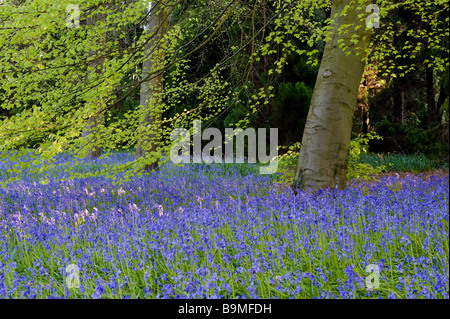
pixel 220 63
pixel 415 163
pixel 410 139
pixel 419 29
pixel 238 112
pixel 361 163
pixel 226 169
pixel 357 169
pixel 287 162
pixel 290 110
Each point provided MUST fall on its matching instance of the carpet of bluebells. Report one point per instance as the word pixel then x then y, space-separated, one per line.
pixel 200 231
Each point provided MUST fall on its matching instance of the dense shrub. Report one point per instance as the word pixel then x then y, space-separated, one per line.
pixel 290 111
pixel 408 139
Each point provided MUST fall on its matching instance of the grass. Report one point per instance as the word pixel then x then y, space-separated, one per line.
pixel 415 163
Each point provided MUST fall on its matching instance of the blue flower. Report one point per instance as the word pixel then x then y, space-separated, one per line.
pixel 405 240
pixel 98 293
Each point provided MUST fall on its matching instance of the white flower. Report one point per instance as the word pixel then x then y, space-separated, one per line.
pixel 89 193
pixel 133 207
pixel 160 209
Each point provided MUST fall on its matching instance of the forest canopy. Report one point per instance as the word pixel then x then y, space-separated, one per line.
pixel 96 76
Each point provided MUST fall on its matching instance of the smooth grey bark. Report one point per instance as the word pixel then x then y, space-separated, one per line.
pixel 326 138
pixel 150 97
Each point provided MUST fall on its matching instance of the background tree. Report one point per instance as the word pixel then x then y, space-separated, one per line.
pixel 152 89
pixel 90 132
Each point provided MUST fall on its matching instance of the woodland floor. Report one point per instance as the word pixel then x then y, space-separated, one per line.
pixel 423 175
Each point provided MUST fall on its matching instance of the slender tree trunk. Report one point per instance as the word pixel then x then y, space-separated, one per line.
pixel 95 151
pixel 365 120
pixel 326 138
pixel 91 129
pixel 149 133
pixel 399 102
pixel 443 98
pixel 432 113
pixel 363 104
pixel 431 102
pixel 369 85
pixel 444 90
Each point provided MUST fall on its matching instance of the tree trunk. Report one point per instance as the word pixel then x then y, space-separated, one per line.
pixel 399 101
pixel 431 102
pixel 90 131
pixel 95 151
pixel 149 133
pixel 326 138
pixel 444 90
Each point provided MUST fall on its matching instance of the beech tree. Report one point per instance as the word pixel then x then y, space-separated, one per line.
pixel 324 151
pixel 53 90
pixel 326 139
